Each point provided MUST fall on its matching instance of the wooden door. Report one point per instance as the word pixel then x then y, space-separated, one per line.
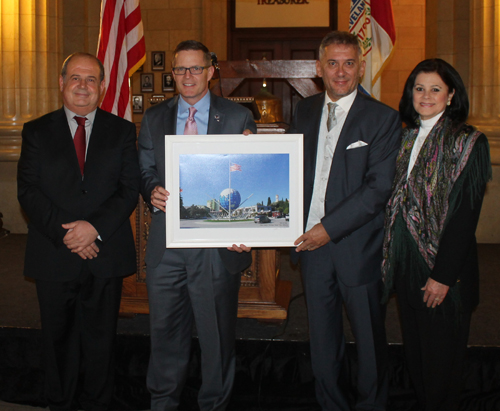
pixel 275 44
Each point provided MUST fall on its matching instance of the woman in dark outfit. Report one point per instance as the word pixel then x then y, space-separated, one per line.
pixel 430 253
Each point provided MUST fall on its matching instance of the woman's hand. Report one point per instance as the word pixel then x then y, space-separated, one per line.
pixel 434 292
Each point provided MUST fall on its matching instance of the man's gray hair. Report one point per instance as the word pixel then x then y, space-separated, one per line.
pixel 340 37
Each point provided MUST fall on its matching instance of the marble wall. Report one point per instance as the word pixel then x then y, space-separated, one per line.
pixel 30 57
pixel 166 24
pixel 464 32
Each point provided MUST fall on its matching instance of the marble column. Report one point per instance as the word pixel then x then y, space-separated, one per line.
pixel 30 58
pixel 484 86
pixel 484 94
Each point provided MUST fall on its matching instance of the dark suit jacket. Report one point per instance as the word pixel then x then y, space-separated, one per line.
pixel 52 192
pixel 225 117
pixel 359 185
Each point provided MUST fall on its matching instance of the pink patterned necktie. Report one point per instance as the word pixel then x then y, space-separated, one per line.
pixel 80 141
pixel 191 127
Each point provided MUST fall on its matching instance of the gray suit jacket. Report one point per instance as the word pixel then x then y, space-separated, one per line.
pixel 225 117
pixel 359 185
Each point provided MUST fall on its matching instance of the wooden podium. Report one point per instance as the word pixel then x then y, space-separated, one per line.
pixel 262 294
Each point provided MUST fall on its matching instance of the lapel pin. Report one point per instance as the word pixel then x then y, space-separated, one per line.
pixel 217 117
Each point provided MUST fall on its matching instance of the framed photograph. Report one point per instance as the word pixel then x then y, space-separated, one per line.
pixel 158 60
pixel 234 189
pixel 137 103
pixel 147 82
pixel 167 82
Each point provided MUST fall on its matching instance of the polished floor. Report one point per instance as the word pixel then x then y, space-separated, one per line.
pixel 19 309
pixel 19 305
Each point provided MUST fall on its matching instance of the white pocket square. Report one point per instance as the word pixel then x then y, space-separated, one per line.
pixel 357 144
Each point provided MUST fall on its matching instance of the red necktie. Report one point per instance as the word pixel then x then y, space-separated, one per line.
pixel 191 128
pixel 80 141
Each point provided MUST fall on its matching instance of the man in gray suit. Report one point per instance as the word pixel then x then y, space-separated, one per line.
pixel 350 147
pixel 187 284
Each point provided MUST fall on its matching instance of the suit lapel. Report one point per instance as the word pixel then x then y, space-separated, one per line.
pixel 311 142
pixel 347 136
pixel 349 133
pixel 61 133
pixel 170 118
pixel 100 131
pixel 215 117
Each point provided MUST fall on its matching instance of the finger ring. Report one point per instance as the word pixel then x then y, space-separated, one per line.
pixel 436 299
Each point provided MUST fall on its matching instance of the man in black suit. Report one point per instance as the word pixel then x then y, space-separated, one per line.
pixel 350 147
pixel 189 284
pixel 78 182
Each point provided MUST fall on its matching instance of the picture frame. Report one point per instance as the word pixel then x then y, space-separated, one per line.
pixel 137 103
pixel 147 82
pixel 221 188
pixel 310 14
pixel 167 82
pixel 157 60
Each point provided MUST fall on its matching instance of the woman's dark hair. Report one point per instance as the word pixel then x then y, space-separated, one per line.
pixel 458 110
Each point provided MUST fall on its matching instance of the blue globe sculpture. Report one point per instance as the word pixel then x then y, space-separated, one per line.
pixel 232 195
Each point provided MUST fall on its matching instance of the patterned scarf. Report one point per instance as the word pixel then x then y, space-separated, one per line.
pixel 423 197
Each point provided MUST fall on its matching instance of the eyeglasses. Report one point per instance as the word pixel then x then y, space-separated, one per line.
pixel 193 70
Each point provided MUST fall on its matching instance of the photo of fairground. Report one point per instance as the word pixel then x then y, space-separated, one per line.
pixel 234 190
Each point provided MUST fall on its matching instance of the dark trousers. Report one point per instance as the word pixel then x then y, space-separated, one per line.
pixel 435 348
pixel 325 294
pixel 79 320
pixel 187 285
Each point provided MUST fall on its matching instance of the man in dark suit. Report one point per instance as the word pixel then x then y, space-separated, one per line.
pixel 78 182
pixel 350 147
pixel 187 284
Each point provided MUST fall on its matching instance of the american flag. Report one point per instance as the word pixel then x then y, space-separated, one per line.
pixel 235 167
pixel 122 51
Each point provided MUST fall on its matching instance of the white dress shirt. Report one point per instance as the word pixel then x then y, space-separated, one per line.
pixel 201 116
pixel 327 143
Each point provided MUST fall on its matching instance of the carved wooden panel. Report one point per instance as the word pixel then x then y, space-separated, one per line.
pixel 262 295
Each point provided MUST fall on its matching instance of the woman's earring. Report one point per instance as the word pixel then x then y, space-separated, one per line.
pixel 448 103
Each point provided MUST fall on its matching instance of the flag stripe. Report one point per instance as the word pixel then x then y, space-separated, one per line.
pixel 113 64
pixel 106 20
pixel 384 16
pixel 122 51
